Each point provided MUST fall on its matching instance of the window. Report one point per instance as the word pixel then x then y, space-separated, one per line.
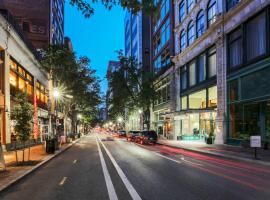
pixel 211 12
pixel 183 78
pixel 212 66
pixel 182 40
pixel 212 97
pixel 256 36
pixel 232 3
pixel 184 103
pixel 197 100
pixel 190 5
pixel 21 84
pixel 190 33
pixel 192 73
pixel 233 90
pixel 200 23
pixel 182 11
pixel 201 67
pixel 13 78
pixel 235 48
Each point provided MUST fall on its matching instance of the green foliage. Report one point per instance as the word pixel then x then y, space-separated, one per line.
pixel 132 86
pixel 134 6
pixel 23 115
pixel 75 77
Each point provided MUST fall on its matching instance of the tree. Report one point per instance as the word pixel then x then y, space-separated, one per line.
pixel 132 86
pixel 76 78
pixel 22 114
pixel 134 6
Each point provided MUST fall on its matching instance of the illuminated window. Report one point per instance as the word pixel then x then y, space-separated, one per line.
pixel 12 78
pixel 21 84
pixel 184 103
pixel 29 88
pixel 13 65
pixel 212 97
pixel 38 94
pixel 197 100
pixel 211 12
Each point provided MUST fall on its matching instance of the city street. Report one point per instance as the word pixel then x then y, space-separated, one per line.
pixel 133 171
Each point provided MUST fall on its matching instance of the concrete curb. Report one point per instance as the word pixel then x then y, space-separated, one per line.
pixel 27 172
pixel 265 163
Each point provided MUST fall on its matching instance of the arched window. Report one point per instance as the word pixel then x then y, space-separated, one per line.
pixel 190 33
pixel 190 5
pixel 181 10
pixel 211 12
pixel 200 23
pixel 182 40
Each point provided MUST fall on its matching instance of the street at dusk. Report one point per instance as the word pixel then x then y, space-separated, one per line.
pixel 139 100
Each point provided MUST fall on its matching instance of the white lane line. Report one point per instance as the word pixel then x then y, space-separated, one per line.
pixel 168 158
pixel 108 180
pixel 74 161
pixel 133 193
pixel 62 182
pixel 190 162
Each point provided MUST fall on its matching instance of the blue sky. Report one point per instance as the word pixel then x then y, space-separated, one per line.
pixel 97 37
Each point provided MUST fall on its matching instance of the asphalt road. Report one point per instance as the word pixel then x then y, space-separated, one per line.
pixel 106 168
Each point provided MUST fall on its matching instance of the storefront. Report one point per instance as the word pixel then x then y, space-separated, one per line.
pixel 197 118
pixel 249 105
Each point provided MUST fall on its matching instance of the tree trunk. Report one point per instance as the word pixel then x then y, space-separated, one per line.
pixel 23 152
pixel 16 153
pixel 29 153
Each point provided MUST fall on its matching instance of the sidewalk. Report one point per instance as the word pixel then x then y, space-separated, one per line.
pixel 38 157
pixel 226 151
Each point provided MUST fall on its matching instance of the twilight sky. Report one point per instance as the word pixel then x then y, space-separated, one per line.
pixel 97 37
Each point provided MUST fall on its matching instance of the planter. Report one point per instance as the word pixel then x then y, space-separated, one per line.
pixel 266 145
pixel 210 140
pixel 245 143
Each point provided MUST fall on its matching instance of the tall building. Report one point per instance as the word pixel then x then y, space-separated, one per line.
pixel 162 50
pixel 42 21
pixel 137 37
pixel 222 70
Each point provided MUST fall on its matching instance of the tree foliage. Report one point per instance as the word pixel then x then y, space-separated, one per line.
pixel 75 76
pixel 132 87
pixel 134 6
pixel 22 114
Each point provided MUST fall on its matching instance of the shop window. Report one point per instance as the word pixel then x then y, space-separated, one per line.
pixel 184 103
pixel 200 23
pixel 190 33
pixel 29 88
pixel 183 78
pixel 233 91
pixel 197 100
pixel 13 65
pixel 235 48
pixel 12 78
pixel 256 84
pixel 212 97
pixel 21 84
pixel 212 64
pixel 256 37
pixel 181 10
pixel 211 12
pixel 201 68
pixel 192 73
pixel 232 3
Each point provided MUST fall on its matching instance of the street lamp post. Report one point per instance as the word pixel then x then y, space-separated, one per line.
pixel 56 95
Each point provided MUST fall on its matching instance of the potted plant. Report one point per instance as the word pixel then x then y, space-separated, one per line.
pixel 267 140
pixel 210 139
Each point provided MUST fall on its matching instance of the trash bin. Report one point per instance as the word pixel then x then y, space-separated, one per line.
pixel 50 146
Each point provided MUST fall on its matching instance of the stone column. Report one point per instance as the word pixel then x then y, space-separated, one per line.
pixel 6 115
pixel 221 134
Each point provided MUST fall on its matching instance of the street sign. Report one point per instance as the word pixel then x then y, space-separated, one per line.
pixel 255 141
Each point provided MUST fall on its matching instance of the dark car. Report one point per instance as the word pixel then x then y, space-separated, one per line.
pixel 122 134
pixel 146 137
pixel 131 135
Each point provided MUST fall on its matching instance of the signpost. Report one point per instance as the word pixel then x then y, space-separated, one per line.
pixel 255 142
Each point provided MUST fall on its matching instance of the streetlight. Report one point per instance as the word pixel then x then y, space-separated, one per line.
pixel 120 119
pixel 56 93
pixel 79 116
pixel 140 111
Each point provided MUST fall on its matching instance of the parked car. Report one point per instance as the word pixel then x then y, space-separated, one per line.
pixel 146 137
pixel 131 135
pixel 122 133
